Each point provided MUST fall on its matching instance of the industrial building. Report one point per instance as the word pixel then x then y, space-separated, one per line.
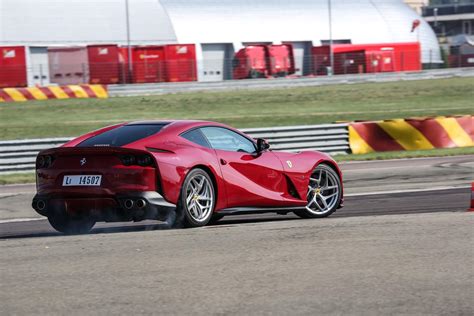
pixel 217 28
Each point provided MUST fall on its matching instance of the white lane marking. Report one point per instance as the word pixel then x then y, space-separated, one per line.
pixel 407 191
pixel 345 195
pixel 18 220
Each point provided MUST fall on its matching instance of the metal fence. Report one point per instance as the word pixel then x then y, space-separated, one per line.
pixel 358 62
pixel 20 155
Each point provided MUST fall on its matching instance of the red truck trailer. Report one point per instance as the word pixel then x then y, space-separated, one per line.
pixel 12 67
pixel 169 63
pixel 180 63
pixel 148 64
pixel 261 61
pixel 368 58
pixel 104 66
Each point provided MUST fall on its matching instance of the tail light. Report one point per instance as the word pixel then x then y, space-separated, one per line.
pixel 137 160
pixel 44 161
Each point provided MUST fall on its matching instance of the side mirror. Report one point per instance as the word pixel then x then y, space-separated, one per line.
pixel 262 145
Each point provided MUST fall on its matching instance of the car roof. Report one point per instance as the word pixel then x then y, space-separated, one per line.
pixel 178 126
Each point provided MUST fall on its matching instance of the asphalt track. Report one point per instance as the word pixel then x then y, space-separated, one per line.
pixel 415 259
pixel 372 188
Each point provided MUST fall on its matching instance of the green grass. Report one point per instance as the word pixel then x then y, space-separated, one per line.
pixel 250 108
pixel 30 177
pixel 17 178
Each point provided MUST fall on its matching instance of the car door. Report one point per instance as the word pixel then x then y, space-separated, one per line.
pixel 251 179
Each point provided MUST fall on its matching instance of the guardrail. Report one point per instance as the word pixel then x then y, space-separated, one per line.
pixel 20 155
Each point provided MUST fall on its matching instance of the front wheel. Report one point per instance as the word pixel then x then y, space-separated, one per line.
pixel 324 193
pixel 197 201
pixel 71 226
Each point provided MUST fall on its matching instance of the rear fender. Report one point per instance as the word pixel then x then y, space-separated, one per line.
pixel 175 165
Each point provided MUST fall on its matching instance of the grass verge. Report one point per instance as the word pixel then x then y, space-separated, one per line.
pixel 17 178
pixel 250 108
pixel 20 178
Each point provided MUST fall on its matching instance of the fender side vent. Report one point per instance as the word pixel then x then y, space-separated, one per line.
pixel 291 188
pixel 158 150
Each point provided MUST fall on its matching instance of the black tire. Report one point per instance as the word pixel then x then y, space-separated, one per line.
pixel 305 213
pixel 184 218
pixel 71 226
pixel 215 218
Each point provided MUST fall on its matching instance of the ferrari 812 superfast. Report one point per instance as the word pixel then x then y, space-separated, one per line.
pixel 187 173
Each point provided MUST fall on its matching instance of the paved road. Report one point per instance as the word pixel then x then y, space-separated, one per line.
pixel 351 263
pixel 375 265
pixel 455 200
pixel 359 178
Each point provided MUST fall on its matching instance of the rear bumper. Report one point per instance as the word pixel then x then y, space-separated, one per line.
pixel 133 206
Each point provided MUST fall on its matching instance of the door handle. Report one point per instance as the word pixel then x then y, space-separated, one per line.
pixel 223 162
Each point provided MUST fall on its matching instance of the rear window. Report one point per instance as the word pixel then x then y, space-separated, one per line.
pixel 122 135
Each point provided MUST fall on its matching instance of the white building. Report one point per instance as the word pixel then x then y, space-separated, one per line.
pixel 217 27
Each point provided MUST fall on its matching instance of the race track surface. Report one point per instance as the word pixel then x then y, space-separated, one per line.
pixel 417 260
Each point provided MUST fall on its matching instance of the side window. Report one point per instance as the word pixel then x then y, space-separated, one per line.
pixel 224 139
pixel 196 137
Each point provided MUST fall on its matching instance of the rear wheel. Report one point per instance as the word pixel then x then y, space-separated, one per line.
pixel 71 226
pixel 324 193
pixel 197 200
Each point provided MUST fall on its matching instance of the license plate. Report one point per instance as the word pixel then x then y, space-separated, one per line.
pixel 85 180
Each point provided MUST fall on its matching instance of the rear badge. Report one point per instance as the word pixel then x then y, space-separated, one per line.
pixel 83 161
pixel 289 163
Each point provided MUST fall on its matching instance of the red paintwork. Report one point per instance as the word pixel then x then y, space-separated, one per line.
pixel 104 65
pixel 245 180
pixel 368 58
pixel 12 67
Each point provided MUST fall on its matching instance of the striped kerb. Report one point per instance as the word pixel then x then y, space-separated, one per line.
pixel 53 92
pixel 411 134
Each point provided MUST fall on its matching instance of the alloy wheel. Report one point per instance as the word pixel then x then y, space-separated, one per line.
pixel 199 198
pixel 323 192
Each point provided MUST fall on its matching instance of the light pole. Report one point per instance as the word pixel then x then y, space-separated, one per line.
pixel 127 19
pixel 331 53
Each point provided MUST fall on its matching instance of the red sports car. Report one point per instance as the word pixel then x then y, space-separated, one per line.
pixel 185 172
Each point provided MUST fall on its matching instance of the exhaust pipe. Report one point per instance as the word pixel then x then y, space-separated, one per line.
pixel 141 203
pixel 41 205
pixel 128 204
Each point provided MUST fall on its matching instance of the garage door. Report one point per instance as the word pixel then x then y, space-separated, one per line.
pixel 302 53
pixel 217 62
pixel 38 72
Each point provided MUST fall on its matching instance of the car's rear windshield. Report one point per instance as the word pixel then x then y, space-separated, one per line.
pixel 122 135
